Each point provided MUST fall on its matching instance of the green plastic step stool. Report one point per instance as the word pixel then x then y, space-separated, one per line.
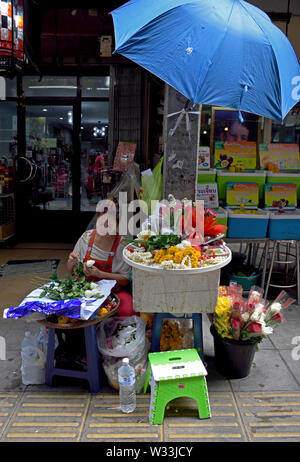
pixel 175 374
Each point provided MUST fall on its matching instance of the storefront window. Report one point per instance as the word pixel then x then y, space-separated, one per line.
pixel 50 86
pixel 47 164
pixel 289 130
pixel 95 87
pixel 11 88
pixel 8 131
pixel 205 125
pixel 94 131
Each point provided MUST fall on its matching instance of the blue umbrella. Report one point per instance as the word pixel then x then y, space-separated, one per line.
pixel 219 52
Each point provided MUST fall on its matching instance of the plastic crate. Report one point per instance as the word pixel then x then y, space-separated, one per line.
pixel 224 177
pixel 247 226
pixel 284 225
pixel 285 177
pixel 207 176
pixel 222 217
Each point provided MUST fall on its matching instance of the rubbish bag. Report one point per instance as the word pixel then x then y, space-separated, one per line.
pixel 123 337
pixel 152 187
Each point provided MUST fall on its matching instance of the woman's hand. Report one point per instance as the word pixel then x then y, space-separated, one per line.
pixel 93 271
pixel 73 258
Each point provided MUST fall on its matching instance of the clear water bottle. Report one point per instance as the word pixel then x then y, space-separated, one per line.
pixel 126 376
pixel 33 361
pixel 42 339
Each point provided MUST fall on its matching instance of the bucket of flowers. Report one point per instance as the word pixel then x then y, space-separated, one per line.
pixel 240 324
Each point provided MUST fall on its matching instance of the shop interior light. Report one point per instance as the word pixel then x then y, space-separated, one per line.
pixel 34 87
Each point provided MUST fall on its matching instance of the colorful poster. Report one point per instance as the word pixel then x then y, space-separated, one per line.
pixel 209 194
pixel 280 196
pixel 284 156
pixel 124 156
pixel 241 154
pixel 203 158
pixel 48 143
pixel 246 194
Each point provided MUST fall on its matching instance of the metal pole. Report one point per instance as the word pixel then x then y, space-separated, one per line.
pixel 266 253
pixel 271 269
pixel 298 271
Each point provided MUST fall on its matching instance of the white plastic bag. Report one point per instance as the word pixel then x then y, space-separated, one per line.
pixel 121 337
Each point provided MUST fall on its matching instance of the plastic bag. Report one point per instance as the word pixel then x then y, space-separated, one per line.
pixel 152 187
pixel 120 337
pixel 139 362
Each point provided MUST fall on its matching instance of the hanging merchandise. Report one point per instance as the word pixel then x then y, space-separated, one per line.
pixel 11 37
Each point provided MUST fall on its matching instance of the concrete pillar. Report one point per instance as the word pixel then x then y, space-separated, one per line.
pixel 181 149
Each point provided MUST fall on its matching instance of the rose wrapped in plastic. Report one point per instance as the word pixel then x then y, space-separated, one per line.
pixel 251 319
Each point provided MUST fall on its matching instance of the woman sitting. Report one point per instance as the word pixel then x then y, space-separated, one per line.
pixel 106 250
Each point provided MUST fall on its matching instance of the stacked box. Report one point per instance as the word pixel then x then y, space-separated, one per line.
pixel 224 177
pixel 284 225
pixel 247 226
pixel 222 217
pixel 285 177
pixel 207 176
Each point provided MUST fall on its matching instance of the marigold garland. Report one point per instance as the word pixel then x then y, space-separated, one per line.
pixel 177 255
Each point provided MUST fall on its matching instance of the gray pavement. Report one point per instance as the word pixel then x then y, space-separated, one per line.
pixel 265 406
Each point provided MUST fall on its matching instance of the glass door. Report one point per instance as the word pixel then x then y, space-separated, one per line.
pixel 46 168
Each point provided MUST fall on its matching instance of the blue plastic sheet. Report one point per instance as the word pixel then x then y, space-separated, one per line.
pixel 69 308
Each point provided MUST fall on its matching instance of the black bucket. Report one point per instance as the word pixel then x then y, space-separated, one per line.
pixel 233 358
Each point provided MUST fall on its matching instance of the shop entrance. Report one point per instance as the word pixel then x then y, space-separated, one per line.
pixel 62 154
pixel 47 164
pixel 48 174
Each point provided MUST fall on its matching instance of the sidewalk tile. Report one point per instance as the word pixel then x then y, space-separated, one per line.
pixel 268 372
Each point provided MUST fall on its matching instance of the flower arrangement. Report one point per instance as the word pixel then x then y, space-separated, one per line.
pixel 170 237
pixel 250 319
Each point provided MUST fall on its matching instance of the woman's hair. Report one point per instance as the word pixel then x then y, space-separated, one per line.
pixel 116 204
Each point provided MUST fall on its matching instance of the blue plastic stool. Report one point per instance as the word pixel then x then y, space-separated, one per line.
pixel 197 325
pixel 93 373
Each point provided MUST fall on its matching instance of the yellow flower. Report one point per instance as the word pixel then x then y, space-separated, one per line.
pixel 222 317
pixel 102 311
pixel 177 255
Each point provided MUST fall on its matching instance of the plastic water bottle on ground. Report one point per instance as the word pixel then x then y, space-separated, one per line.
pixel 42 339
pixel 33 361
pixel 126 376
